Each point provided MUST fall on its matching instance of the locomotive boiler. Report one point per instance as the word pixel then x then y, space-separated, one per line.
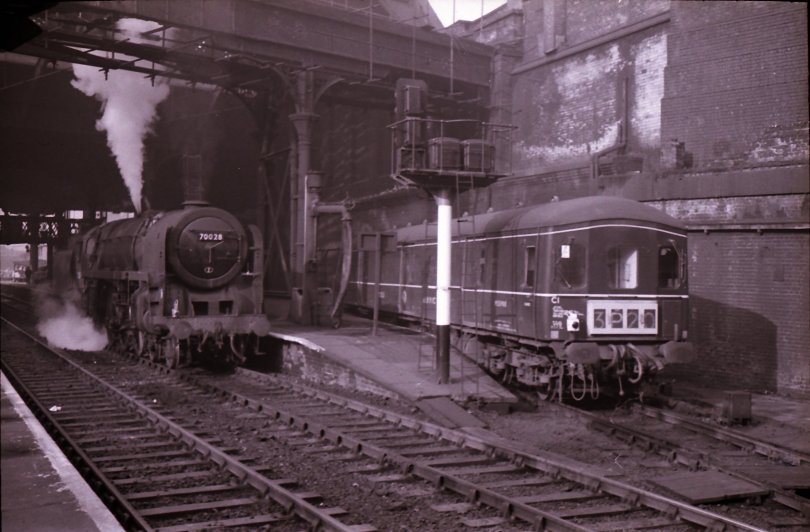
pixel 564 298
pixel 176 286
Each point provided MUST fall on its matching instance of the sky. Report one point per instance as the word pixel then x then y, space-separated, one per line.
pixel 465 9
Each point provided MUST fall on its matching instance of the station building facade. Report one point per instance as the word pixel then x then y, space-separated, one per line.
pixel 698 108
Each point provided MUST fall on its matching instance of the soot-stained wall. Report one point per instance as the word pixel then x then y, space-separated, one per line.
pixel 715 120
pixel 569 106
pixel 736 85
pixel 736 104
pixel 718 114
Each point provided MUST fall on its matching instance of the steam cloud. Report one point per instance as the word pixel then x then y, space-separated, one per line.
pixel 129 106
pixel 65 326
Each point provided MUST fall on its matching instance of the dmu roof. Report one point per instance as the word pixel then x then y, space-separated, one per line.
pixel 580 211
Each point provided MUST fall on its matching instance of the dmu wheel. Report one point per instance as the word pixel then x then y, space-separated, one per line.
pixel 546 390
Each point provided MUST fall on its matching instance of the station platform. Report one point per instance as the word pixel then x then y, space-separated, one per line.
pixel 41 490
pixel 396 362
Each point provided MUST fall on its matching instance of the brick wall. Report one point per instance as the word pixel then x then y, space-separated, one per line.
pixel 586 19
pixel 736 83
pixel 736 97
pixel 750 291
pixel 571 106
pixel 352 148
pixel 749 310
pixel 726 79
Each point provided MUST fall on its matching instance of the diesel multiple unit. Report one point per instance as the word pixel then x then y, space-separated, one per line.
pixel 557 297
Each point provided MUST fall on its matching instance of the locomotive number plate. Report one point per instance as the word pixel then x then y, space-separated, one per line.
pixel 211 237
pixel 622 317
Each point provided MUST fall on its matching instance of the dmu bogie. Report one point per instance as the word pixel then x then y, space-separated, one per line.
pixel 177 286
pixel 562 298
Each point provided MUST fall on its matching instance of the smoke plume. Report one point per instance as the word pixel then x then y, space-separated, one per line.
pixel 65 326
pixel 129 106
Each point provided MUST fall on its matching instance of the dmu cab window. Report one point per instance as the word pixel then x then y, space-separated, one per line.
pixel 669 267
pixel 570 265
pixel 529 265
pixel 622 267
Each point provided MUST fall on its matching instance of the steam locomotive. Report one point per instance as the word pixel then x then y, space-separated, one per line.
pixel 565 298
pixel 178 287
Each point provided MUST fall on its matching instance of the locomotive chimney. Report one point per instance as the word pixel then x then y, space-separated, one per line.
pixel 192 178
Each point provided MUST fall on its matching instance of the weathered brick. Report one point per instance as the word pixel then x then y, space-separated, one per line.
pixel 726 81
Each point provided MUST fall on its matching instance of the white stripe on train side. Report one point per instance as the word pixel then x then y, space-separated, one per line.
pixel 544 233
pixel 528 294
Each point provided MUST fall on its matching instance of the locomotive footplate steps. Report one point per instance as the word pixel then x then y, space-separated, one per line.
pixel 388 364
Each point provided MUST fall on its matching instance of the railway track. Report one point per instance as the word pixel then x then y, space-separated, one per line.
pixel 703 446
pixel 538 491
pixel 14 303
pixel 497 483
pixel 151 471
pixel 741 441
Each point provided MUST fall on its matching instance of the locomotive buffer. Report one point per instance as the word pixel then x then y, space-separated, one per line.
pixel 442 165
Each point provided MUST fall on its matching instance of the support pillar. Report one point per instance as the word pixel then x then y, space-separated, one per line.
pixel 443 268
pixel 301 250
pixel 33 242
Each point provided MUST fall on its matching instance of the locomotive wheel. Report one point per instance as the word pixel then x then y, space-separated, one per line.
pixel 142 343
pixel 238 344
pixel 170 349
pixel 116 340
pixel 131 343
pixel 152 349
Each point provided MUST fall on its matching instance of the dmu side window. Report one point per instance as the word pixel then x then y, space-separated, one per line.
pixel 530 260
pixel 570 269
pixel 482 262
pixel 430 270
pixel 622 267
pixel 406 269
pixel 669 267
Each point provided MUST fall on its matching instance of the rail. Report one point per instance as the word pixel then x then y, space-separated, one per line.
pixel 317 517
pixel 489 447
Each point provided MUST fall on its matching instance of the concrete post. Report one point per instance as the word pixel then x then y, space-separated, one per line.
pixel 443 269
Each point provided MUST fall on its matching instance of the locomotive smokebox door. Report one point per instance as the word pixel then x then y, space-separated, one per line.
pixel 207 248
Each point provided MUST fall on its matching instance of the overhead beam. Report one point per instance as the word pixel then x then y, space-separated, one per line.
pixel 294 32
